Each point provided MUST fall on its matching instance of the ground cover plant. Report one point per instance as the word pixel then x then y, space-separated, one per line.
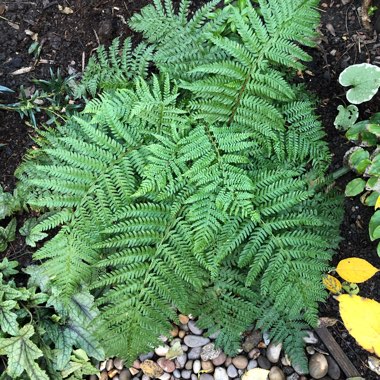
pixel 201 188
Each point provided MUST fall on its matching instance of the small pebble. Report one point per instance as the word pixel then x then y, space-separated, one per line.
pixel 252 364
pixel 177 373
pixel 293 376
pixel 220 374
pixel 186 374
pixel 273 352
pixel 125 375
pixel 118 364
pixel 181 333
pixel 166 364
pixel 136 364
pixel 165 376
pixel 228 361
pixel 240 362
pixel 196 341
pixel 189 364
pixel 254 354
pixel 264 362
pixel 220 359
pixel 195 353
pixel 232 371
pixel 276 374
pixel 318 366
pixel 194 329
pixel 209 352
pixel 162 350
pixel 334 370
pixel 207 366
pixel 206 376
pixel 174 331
pixel 184 319
pixel 196 366
pixel 103 375
pixel 181 361
pixel 147 356
pixel 109 364
pixel 310 338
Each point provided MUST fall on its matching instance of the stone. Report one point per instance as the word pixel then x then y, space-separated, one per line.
pixel 109 364
pixel 264 362
pixel 232 371
pixel 254 354
pixel 195 353
pixel 181 334
pixel 163 338
pixel 273 352
pixel 185 374
pixel 162 350
pixel 102 365
pixel 165 376
pixel 310 338
pixel 293 376
pixel 252 340
pixel 228 361
pixel 147 356
pixel 288 370
pixel 252 364
pixel 299 370
pixel 334 370
pixel 220 374
pixel 286 361
pixel 174 331
pixel 134 371
pixel 145 377
pixel 240 362
pixel 166 364
pixel 136 364
pixel 206 376
pixel 189 364
pixel 112 373
pixel 196 366
pixel 276 374
pixel 194 377
pixel 185 348
pixel 118 364
pixel 196 341
pixel 177 373
pixel 209 352
pixel 103 375
pixel 220 359
pixel 207 366
pixel 310 350
pixel 181 361
pixel 125 375
pixel 184 319
pixel 214 335
pixel 318 366
pixel 151 369
pixel 194 329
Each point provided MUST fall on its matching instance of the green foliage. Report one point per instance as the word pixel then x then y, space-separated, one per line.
pixel 7 234
pixel 364 159
pixel 364 79
pixel 200 189
pixel 52 98
pixel 38 332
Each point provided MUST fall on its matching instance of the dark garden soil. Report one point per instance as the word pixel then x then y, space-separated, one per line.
pixel 69 39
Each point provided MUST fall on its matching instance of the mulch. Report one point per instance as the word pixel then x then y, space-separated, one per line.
pixel 69 39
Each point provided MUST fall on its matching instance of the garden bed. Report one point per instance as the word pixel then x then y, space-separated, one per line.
pixel 68 40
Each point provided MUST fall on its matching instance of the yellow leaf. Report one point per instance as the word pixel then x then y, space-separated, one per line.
pixel 361 316
pixel 332 284
pixel 256 374
pixel 355 270
pixel 377 204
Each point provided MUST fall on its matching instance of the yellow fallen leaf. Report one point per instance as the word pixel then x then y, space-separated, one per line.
pixel 377 204
pixel 361 316
pixel 256 374
pixel 355 270
pixel 332 284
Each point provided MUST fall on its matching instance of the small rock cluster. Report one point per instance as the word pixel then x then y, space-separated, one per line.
pixel 188 354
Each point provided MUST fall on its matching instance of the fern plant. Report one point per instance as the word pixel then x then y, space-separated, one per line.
pixel 200 189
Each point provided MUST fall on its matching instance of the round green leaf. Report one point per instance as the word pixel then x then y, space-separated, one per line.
pixel 355 187
pixel 374 226
pixel 364 79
